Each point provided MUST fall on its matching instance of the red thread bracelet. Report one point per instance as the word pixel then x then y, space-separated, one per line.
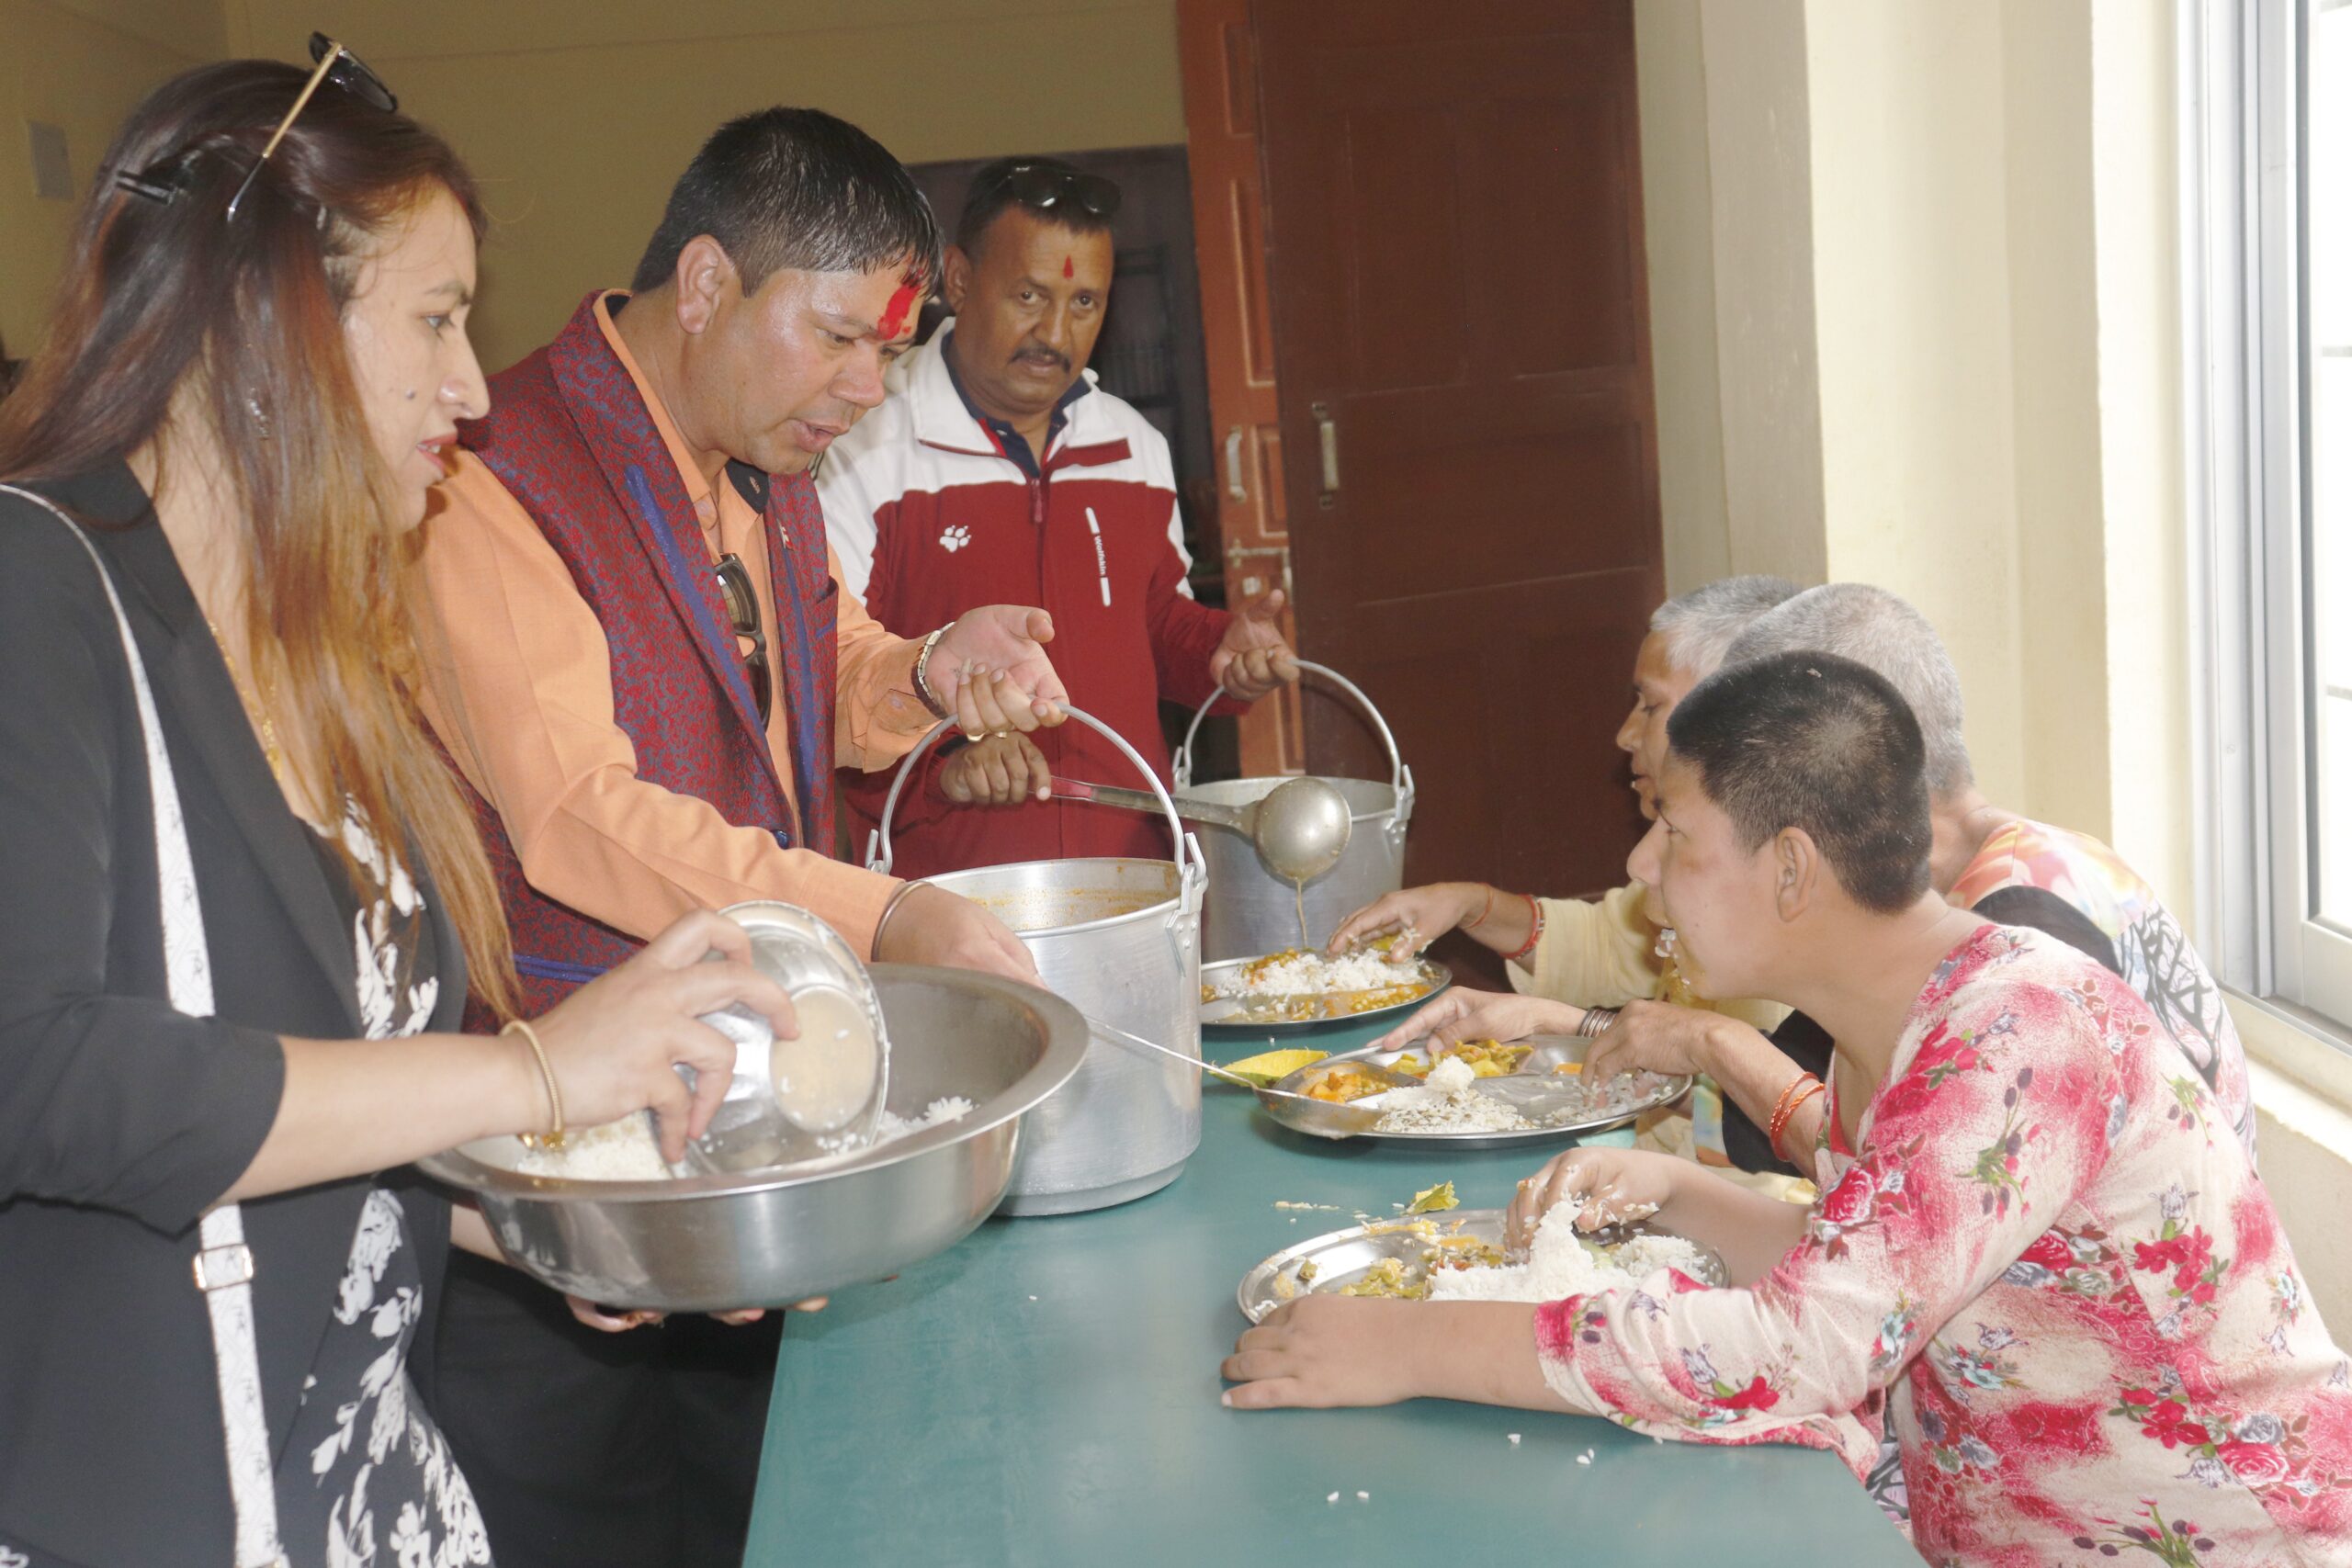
pixel 1780 1106
pixel 1535 930
pixel 1802 1089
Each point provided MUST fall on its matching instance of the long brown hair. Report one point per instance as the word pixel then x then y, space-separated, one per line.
pixel 246 314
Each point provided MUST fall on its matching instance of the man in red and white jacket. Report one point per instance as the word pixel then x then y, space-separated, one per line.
pixel 940 500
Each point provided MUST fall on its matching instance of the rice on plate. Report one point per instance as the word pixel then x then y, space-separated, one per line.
pixel 1561 1262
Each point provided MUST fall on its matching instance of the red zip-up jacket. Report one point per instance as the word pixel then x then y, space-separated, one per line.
pixel 929 517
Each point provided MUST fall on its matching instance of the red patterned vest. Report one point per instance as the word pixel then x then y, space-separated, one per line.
pixel 569 437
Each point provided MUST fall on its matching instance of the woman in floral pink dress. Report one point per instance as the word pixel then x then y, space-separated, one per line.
pixel 2046 1258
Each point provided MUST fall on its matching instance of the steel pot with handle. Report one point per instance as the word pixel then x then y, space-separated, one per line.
pixel 1250 910
pixel 1120 939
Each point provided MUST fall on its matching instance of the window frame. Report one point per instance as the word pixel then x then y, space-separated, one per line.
pixel 2246 391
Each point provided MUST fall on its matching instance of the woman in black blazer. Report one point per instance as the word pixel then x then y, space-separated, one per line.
pixel 254 363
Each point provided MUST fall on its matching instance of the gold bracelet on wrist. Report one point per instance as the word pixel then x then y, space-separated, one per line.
pixel 553 1137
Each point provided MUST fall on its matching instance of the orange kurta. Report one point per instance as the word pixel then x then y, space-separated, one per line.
pixel 519 686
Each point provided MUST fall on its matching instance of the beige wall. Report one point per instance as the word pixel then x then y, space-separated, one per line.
pixel 1911 272
pixel 1726 193
pixel 1901 280
pixel 79 64
pixel 2144 483
pixel 578 118
pixel 1677 220
pixel 2054 333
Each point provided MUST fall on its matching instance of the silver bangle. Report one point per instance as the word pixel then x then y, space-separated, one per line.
pixel 923 675
pixel 1596 1021
pixel 890 909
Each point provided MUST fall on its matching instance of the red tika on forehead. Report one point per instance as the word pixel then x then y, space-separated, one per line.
pixel 1068 270
pixel 902 304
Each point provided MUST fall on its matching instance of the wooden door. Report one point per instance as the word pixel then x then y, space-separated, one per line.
pixel 1454 226
pixel 1219 62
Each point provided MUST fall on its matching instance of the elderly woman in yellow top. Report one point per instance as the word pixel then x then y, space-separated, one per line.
pixel 1588 952
pixel 1989 859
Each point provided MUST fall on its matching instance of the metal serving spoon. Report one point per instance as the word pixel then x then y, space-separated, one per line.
pixel 1301 827
pixel 1324 1118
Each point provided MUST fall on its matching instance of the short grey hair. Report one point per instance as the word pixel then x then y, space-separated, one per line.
pixel 1700 626
pixel 1875 627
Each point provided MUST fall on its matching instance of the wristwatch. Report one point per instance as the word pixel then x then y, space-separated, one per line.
pixel 923 675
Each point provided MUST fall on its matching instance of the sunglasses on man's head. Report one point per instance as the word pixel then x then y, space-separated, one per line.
pixel 1042 187
pixel 164 182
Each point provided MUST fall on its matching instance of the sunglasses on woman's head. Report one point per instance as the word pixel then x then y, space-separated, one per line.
pixel 164 182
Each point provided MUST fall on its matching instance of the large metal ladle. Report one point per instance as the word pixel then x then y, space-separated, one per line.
pixel 1301 827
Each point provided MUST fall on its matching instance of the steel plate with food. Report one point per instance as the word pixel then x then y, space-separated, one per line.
pixel 1477 1094
pixel 1295 989
pixel 1459 1256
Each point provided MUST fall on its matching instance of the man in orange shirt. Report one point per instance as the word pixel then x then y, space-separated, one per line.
pixel 647 671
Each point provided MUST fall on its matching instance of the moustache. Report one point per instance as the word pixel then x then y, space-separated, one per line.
pixel 1034 354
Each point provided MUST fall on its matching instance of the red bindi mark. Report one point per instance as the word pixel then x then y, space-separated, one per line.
pixel 1068 270
pixel 894 317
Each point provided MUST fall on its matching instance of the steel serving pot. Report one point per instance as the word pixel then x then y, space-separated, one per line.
pixel 1120 939
pixel 1250 910
pixel 771 1237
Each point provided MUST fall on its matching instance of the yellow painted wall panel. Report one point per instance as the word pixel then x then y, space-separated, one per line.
pixel 579 118
pixel 64 66
pixel 577 146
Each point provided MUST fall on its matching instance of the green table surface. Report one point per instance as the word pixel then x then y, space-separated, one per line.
pixel 1045 1392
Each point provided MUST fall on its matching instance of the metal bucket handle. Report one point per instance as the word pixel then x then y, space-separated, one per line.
pixel 1400 777
pixel 1190 869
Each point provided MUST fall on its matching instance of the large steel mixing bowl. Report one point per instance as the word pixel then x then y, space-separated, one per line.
pixel 767 1238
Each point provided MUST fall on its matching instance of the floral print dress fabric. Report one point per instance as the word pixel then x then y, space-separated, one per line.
pixel 2049 1266
pixel 2158 960
pixel 366 1480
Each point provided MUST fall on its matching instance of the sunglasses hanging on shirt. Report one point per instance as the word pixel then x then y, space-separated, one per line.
pixel 744 615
